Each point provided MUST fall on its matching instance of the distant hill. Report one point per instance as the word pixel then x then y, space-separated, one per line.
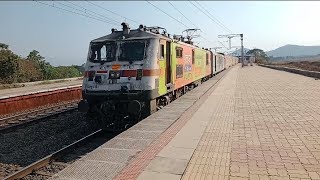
pixel 238 52
pixel 294 50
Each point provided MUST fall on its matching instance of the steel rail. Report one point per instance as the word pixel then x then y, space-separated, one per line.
pixel 35 117
pixel 50 158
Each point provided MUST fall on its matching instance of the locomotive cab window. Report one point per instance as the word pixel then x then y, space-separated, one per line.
pixel 161 51
pixel 103 52
pixel 132 50
pixel 179 52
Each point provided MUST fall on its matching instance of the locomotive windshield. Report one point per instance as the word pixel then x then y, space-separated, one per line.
pixel 132 51
pixel 105 51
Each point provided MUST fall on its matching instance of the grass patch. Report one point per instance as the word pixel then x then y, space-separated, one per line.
pixel 304 65
pixel 9 86
pixel 51 82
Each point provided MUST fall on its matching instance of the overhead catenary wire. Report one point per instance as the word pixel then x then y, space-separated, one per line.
pixel 87 10
pixel 73 12
pixel 168 14
pixel 213 17
pixel 188 20
pixel 113 22
pixel 113 12
pixel 182 14
pixel 208 16
pixel 206 39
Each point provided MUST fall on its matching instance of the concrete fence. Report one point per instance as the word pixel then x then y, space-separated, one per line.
pixel 313 74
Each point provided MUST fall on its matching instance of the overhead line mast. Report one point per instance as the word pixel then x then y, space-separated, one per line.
pixel 231 36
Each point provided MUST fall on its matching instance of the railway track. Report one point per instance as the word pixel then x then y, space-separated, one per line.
pixel 48 165
pixel 11 122
pixel 24 143
pixel 54 159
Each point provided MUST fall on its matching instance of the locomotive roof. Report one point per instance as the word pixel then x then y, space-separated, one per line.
pixel 133 35
pixel 137 34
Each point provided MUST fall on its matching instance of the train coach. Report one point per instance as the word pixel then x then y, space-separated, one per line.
pixel 135 72
pixel 230 60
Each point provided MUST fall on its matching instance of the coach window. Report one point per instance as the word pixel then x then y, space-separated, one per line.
pixel 179 71
pixel 193 56
pixel 179 52
pixel 161 51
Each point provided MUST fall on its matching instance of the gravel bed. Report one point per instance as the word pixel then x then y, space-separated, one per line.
pixel 37 177
pixel 42 108
pixel 6 169
pixel 33 142
pixel 50 169
pixel 69 158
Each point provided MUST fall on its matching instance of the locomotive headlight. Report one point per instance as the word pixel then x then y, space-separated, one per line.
pixel 139 74
pixel 114 74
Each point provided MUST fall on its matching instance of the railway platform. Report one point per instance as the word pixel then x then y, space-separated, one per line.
pixel 32 88
pixel 33 95
pixel 253 123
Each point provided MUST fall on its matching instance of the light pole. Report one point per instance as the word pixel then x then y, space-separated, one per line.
pixel 242 54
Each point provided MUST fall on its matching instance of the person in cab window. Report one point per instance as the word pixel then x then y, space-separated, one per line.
pixel 93 55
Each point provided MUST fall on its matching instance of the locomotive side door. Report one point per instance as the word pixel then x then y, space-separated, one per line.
pixel 168 62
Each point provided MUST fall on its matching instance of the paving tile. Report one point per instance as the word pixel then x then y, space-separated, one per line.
pixel 264 125
pixel 84 170
pixel 111 155
pixel 133 144
pixel 147 175
pixel 134 134
pixel 176 152
pixel 258 123
pixel 167 165
pixel 182 142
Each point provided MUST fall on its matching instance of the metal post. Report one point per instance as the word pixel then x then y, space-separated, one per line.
pixel 242 54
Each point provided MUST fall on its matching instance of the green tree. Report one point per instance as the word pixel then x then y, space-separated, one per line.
pixel 44 67
pixel 260 55
pixel 4 46
pixel 61 72
pixel 81 69
pixel 13 68
pixel 35 56
pixel 28 71
pixel 8 66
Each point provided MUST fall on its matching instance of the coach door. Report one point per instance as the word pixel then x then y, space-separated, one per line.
pixel 168 62
pixel 211 60
pixel 215 63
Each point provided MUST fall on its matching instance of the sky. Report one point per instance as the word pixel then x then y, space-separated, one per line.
pixel 63 37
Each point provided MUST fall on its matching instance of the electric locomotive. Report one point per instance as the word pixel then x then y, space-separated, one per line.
pixel 132 73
